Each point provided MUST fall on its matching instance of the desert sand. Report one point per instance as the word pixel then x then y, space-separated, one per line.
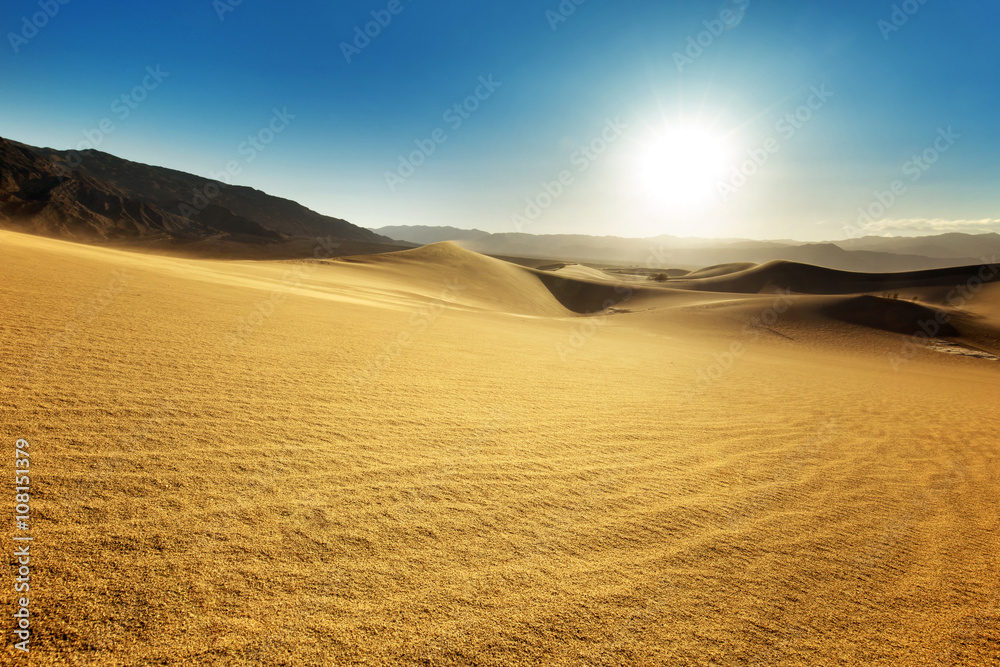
pixel 433 457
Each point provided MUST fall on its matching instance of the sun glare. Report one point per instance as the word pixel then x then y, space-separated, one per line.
pixel 680 167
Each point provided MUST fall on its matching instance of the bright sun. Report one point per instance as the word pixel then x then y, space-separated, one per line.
pixel 680 167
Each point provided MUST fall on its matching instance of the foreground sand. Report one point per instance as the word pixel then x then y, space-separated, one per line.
pixel 427 459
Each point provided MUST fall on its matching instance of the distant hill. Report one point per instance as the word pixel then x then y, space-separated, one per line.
pixel 96 197
pixel 952 245
pixel 870 254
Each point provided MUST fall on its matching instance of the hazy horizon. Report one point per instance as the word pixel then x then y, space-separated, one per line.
pixel 854 231
pixel 911 234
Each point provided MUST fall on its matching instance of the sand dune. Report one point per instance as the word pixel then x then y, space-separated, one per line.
pixel 433 457
pixel 807 279
pixel 480 281
pixel 720 270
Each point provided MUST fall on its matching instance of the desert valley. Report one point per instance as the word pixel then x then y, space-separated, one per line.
pixel 432 456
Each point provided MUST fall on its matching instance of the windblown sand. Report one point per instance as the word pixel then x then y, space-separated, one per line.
pixel 426 458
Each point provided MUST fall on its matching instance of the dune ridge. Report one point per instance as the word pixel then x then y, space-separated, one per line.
pixel 808 279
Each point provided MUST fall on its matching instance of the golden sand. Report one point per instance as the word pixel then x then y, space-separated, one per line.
pixel 427 458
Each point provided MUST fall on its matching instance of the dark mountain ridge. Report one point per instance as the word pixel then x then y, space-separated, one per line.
pixel 94 196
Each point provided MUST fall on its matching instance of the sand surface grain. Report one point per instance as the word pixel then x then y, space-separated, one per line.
pixel 432 458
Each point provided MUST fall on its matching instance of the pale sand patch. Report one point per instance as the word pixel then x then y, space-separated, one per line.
pixel 961 350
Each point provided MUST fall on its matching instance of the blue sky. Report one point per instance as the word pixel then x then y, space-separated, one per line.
pixel 567 133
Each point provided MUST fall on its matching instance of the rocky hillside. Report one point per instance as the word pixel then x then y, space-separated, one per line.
pixel 93 196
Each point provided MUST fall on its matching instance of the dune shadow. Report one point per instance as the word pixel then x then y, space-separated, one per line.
pixel 903 317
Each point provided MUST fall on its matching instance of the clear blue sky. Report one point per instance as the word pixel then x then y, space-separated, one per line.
pixel 889 92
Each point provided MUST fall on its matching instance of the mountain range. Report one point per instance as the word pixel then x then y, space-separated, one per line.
pixel 92 196
pixel 866 254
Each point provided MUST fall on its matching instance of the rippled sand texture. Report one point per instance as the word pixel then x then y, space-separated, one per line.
pixel 433 458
